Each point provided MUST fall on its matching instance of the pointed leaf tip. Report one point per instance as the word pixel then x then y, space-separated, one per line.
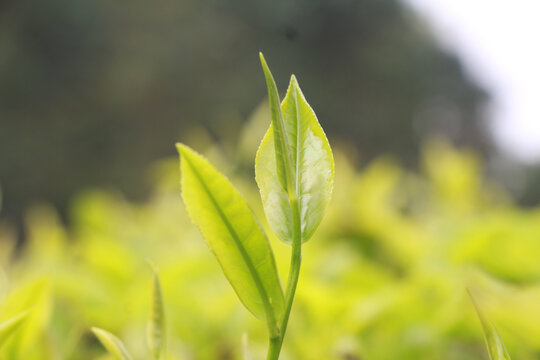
pixel 156 330
pixel 496 348
pixel 180 148
pixel 112 344
pixel 283 158
pixel 10 326
pixel 262 59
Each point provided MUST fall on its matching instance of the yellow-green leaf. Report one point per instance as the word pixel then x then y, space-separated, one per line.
pixel 496 348
pixel 114 345
pixel 8 327
pixel 312 166
pixel 156 335
pixel 283 161
pixel 233 234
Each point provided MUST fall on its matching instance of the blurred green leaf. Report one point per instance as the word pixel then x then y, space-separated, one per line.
pixel 496 348
pixel 114 345
pixel 245 347
pixel 37 296
pixel 233 234
pixel 156 335
pixel 311 161
pixel 8 327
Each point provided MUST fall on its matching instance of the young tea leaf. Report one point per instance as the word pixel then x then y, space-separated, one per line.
pixel 114 345
pixel 496 348
pixel 8 327
pixel 233 234
pixel 283 161
pixel 156 335
pixel 312 165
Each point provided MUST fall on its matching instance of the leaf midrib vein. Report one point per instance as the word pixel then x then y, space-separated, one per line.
pixel 238 243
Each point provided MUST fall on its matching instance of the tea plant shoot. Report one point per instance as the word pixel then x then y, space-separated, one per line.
pixel 294 170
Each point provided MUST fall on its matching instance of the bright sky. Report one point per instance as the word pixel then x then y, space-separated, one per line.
pixel 498 42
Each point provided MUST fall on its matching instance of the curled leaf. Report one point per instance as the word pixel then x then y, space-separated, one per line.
pixel 311 162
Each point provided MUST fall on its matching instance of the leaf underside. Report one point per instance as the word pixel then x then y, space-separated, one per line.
pixel 232 233
pixel 311 162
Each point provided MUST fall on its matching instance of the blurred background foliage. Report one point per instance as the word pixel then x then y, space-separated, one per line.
pixel 95 94
pixel 384 278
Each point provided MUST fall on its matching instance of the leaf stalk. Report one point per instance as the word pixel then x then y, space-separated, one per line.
pixel 294 273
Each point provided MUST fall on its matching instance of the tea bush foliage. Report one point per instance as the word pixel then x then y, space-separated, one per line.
pixel 384 277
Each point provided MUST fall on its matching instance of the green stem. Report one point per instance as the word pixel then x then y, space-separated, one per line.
pixel 292 185
pixel 294 273
pixel 274 348
pixel 296 259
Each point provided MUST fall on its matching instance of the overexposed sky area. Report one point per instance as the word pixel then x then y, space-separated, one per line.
pixel 498 42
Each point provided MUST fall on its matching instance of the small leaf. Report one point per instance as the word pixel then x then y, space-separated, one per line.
pixel 496 348
pixel 233 234
pixel 8 327
pixel 312 163
pixel 283 165
pixel 156 334
pixel 114 345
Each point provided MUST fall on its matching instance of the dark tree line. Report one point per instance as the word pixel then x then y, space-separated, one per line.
pixel 92 92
